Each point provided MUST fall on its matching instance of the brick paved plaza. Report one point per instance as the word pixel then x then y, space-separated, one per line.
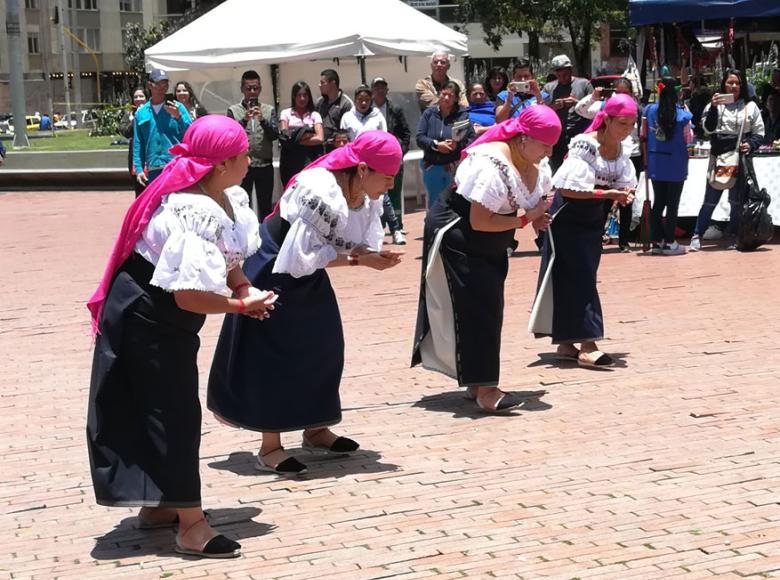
pixel 666 467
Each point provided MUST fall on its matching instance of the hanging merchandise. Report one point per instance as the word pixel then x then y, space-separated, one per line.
pixel 632 74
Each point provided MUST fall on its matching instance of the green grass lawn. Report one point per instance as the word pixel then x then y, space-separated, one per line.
pixel 74 140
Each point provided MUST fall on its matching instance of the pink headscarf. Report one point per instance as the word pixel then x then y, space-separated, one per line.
pixel 537 121
pixel 209 141
pixel 618 105
pixel 379 150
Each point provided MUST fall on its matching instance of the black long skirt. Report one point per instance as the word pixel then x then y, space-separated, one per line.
pixel 567 306
pixel 143 424
pixel 282 373
pixel 461 304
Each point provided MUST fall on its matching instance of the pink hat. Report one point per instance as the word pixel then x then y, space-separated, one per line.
pixel 379 150
pixel 537 121
pixel 209 141
pixel 619 105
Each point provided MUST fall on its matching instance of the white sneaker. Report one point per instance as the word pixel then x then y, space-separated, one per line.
pixel 673 249
pixel 713 233
pixel 695 244
pixel 398 238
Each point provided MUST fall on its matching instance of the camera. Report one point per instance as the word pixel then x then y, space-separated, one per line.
pixel 520 86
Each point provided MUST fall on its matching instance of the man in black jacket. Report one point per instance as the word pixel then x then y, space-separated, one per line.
pixel 397 125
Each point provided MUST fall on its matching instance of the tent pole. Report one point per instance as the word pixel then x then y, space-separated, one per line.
pixel 362 61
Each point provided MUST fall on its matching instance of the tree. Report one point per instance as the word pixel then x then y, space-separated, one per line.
pixel 580 18
pixel 138 39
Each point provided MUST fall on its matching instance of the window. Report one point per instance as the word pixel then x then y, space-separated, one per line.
pixel 130 5
pixel 32 43
pixel 90 37
pixel 31 4
pixel 83 4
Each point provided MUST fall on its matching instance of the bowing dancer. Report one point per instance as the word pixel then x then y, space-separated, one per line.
pixel 176 259
pixel 284 374
pixel 465 262
pixel 597 170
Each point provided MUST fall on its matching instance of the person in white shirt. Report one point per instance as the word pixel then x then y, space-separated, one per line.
pixel 364 117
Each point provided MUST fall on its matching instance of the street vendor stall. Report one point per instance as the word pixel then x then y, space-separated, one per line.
pixel 767 168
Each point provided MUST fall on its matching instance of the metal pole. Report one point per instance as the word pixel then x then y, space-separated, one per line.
pixel 64 55
pixel 76 52
pixel 16 73
pixel 45 25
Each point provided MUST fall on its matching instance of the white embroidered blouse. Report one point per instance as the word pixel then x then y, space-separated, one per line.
pixel 585 169
pixel 495 184
pixel 193 243
pixel 321 224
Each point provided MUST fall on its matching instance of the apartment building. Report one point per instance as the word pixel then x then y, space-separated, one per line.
pixel 97 59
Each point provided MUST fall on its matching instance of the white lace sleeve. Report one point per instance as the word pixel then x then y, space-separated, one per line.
pixel 575 174
pixel 627 177
pixel 479 179
pixel 190 258
pixel 247 228
pixel 317 212
pixel 545 178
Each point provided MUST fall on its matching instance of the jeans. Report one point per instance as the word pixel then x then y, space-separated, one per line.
pixel 711 199
pixel 395 197
pixel 667 196
pixel 436 179
pixel 389 218
pixel 262 179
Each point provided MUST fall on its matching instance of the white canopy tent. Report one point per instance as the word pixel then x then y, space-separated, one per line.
pixel 240 33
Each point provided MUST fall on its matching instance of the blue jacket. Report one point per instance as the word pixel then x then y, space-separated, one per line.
pixel 155 133
pixel 2 150
pixel 484 114
pixel 667 160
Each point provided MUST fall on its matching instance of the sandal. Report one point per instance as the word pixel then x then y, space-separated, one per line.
pixel 217 547
pixel 289 466
pixel 341 446
pixel 471 394
pixel 602 362
pixel 566 356
pixel 142 524
pixel 507 402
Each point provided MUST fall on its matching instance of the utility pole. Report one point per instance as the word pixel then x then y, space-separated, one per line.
pixel 76 52
pixel 61 26
pixel 18 105
pixel 45 27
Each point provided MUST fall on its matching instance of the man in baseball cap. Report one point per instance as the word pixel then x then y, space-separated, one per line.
pixel 562 94
pixel 156 75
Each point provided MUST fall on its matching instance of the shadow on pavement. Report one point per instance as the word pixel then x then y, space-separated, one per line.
pixel 455 402
pixel 126 540
pixel 319 466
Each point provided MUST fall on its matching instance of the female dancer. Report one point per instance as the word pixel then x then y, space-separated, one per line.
pixel 467 232
pixel 176 259
pixel 598 168
pixel 284 374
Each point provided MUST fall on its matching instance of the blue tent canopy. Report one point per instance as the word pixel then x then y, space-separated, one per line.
pixel 657 11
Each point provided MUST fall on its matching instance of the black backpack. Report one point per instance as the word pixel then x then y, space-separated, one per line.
pixel 755 224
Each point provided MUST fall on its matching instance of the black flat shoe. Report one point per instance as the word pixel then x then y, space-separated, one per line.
pixel 341 446
pixel 603 362
pixel 289 466
pixel 506 403
pixel 217 547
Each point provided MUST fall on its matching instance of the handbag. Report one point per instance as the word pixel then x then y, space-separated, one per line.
pixel 723 169
pixel 755 224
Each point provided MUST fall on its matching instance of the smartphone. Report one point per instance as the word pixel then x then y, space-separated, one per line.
pixel 520 86
pixel 607 92
pixel 251 103
pixel 170 98
pixel 727 98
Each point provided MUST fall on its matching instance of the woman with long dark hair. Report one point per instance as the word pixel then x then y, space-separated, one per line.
pixel 300 133
pixel 126 129
pixel 496 81
pixel 664 129
pixel 596 171
pixel 730 114
pixel 186 96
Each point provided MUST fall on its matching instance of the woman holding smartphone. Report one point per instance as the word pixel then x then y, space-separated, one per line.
pixel 284 374
pixel 300 133
pixel 464 267
pixel 596 171
pixel 730 114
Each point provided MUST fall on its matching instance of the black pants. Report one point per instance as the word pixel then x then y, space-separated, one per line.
pixel 667 196
pixel 262 178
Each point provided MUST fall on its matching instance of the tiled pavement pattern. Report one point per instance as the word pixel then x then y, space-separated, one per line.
pixel 666 467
